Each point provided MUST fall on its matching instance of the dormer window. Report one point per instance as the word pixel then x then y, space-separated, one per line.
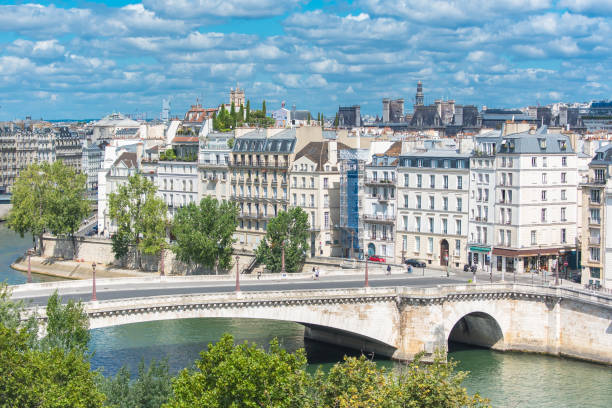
pixel 542 143
pixel 562 145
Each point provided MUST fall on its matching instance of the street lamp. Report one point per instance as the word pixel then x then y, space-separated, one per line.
pixel 237 275
pixel 367 282
pixel 29 266
pixel 93 290
pixel 161 262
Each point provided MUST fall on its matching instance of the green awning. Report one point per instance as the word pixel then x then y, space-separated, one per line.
pixel 480 249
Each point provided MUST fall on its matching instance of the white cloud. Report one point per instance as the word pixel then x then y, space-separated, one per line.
pixel 602 7
pixel 47 49
pixel 189 9
pixel 290 80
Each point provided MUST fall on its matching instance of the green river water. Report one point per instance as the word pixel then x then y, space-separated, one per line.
pixel 508 379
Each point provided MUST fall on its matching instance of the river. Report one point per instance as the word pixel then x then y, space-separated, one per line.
pixel 508 379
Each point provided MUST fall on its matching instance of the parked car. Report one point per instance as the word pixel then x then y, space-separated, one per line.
pixel 375 258
pixel 415 263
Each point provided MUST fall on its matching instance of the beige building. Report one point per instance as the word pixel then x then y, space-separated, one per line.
pixel 315 187
pixel 596 247
pixel 213 161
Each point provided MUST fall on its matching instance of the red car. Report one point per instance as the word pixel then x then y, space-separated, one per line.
pixel 375 258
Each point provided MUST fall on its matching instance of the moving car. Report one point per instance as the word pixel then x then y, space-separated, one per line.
pixel 375 258
pixel 415 263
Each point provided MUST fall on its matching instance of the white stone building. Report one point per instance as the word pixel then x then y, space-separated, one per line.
pixel 213 165
pixel 177 183
pixel 432 222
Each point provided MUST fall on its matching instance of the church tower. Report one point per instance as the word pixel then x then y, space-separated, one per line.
pixel 418 100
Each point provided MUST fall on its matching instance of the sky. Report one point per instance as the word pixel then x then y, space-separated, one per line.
pixel 84 59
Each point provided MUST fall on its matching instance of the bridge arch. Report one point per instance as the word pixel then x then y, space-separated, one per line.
pixel 478 329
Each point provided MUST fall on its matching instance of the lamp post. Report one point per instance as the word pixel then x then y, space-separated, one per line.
pixel 237 274
pixel 29 266
pixel 93 283
pixel 283 257
pixel 367 282
pixel 161 262
pixel 556 264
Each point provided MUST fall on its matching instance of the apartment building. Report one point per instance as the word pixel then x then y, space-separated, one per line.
pixel 69 147
pixel 597 219
pixel 259 167
pixel 213 161
pixel 177 183
pixel 315 187
pixel 535 202
pixel 432 223
pixel 379 204
pixel 125 166
pixel 481 223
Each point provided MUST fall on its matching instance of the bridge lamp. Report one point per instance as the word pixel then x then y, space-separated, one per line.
pixel 29 266
pixel 237 274
pixel 93 281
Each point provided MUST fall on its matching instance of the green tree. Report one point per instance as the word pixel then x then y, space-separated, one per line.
pixel 204 233
pixel 241 115
pixel 67 205
pixel 29 202
pixel 138 215
pixel 151 389
pixel 32 378
pixel 230 142
pixel 309 118
pixel 263 108
pixel 248 111
pixel 228 375
pixel 67 326
pixel 288 227
pixel 336 121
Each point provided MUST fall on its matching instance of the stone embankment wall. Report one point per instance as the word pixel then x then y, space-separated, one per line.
pixel 4 210
pixel 100 250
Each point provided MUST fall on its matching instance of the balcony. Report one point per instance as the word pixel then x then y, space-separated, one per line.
pixel 380 182
pixel 594 240
pixel 382 198
pixel 595 221
pixel 387 218
pixel 594 201
pixel 259 164
pixel 213 163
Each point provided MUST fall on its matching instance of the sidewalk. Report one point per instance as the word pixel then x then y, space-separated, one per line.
pixel 74 269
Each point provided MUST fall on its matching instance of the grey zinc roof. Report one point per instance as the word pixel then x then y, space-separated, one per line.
pixel 607 155
pixel 439 153
pixel 530 143
pixel 257 142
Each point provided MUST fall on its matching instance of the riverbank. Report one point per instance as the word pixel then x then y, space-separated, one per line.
pixel 69 269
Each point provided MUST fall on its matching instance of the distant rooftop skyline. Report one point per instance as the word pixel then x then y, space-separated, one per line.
pixel 85 59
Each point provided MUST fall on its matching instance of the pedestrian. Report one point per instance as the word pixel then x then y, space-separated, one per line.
pixel 409 268
pixel 388 269
pixel 314 273
pixel 317 274
pixel 258 274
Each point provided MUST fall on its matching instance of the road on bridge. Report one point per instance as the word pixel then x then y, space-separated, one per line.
pixel 127 290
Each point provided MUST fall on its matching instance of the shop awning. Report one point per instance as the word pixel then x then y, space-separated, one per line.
pixel 480 249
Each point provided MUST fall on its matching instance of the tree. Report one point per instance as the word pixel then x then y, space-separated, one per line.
pixel 248 111
pixel 290 227
pixel 67 204
pixel 151 389
pixel 29 202
pixel 138 215
pixel 263 108
pixel 228 375
pixel 230 142
pixel 336 121
pixel 205 233
pixel 233 115
pixel 241 115
pixel 309 118
pixel 67 326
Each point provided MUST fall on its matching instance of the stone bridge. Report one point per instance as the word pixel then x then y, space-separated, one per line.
pixel 400 322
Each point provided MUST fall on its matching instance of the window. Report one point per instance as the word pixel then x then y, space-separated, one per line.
pixel 404 243
pixel 458 227
pixel 595 272
pixel 563 235
pixel 326 200
pixel 418 223
pixel 543 195
pixel 303 200
pixel 418 201
pixel 431 224
pixel 544 164
pixel 325 182
pixel 563 195
pixel 534 162
pixel 563 178
pixel 564 161
pixel 543 218
pixel 563 218
pixel 509 237
pixel 312 182
pixel 509 179
pixel 406 180
pixel 544 178
pixel 432 181
pixel 445 203
pixel 446 182
pixel 312 201
pixel 457 247
pixel 595 196
pixel 326 219
pixel 533 237
pixel 459 182
pixel 417 244
pixel 405 218
pixel 444 226
pixel 430 245
pixel 594 251
pixel 294 181
pixel 419 180
pixel 459 204
pixel 431 202
pixel 594 218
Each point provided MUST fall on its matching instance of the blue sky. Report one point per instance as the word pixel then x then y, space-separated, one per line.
pixel 84 59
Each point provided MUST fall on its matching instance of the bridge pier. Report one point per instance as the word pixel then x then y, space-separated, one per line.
pixel 349 340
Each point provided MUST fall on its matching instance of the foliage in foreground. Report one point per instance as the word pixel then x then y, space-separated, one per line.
pixel 150 389
pixel 53 371
pixel 244 375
